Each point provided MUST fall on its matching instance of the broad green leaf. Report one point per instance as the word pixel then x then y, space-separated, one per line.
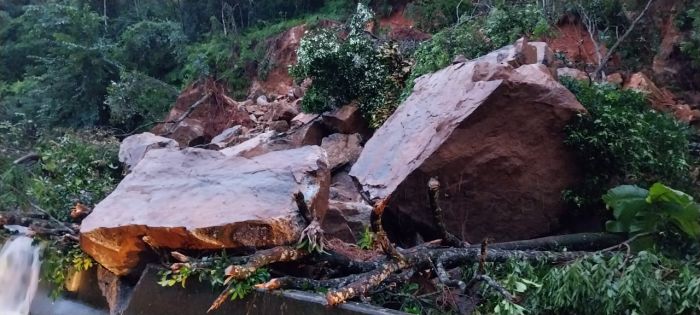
pixel 626 201
pixel 660 192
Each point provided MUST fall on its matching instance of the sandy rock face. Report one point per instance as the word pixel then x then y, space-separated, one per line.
pixel 201 199
pixel 491 130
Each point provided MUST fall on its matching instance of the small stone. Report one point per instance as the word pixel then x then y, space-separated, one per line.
pixel 279 126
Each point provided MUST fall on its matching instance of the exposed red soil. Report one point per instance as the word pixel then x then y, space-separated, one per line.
pixel 215 114
pixel 575 41
pixel 282 53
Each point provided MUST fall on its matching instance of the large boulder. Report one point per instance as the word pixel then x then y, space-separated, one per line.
pixel 203 200
pixel 491 130
pixel 133 148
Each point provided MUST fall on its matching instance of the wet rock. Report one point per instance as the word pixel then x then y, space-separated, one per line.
pixel 346 119
pixel 133 148
pixel 203 200
pixel 346 220
pixel 228 136
pixel 492 133
pixel 114 289
pixel 342 149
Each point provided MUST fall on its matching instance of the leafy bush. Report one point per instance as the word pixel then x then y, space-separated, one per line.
pixel 349 69
pixel 642 283
pixel 154 48
pixel 16 139
pixel 39 30
pixel 59 262
pixel 621 140
pixel 690 22
pixel 433 15
pixel 59 64
pixel 478 35
pixel 657 217
pixel 75 167
pixel 138 99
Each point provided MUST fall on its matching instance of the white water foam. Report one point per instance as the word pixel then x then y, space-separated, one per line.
pixel 19 275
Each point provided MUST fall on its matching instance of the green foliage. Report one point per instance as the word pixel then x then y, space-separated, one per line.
pixel 16 138
pixel 154 48
pixel 644 283
pixel 433 15
pixel 659 209
pixel 241 289
pixel 137 100
pixel 621 140
pixel 350 69
pixel 690 23
pixel 39 30
pixel 59 66
pixel 211 270
pixel 201 17
pixel 75 167
pixel 477 35
pixel 366 241
pixel 59 261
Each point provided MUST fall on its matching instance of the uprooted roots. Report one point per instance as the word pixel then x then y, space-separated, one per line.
pixel 360 278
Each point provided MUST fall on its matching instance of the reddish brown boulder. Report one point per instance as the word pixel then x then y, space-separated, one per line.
pixel 202 200
pixel 346 119
pixel 662 99
pixel 307 129
pixel 342 149
pixel 492 133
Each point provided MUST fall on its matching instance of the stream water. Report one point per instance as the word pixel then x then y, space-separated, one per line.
pixel 19 275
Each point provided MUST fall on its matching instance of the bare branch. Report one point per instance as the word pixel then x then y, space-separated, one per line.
pixel 605 59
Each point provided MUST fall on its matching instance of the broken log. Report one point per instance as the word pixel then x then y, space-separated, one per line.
pixel 262 259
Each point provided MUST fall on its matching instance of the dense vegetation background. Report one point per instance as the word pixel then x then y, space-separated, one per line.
pixel 77 76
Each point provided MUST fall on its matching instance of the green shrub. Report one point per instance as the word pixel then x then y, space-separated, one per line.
pixel 351 69
pixel 16 139
pixel 59 261
pixel 76 167
pixel 478 35
pixel 138 100
pixel 621 140
pixel 154 48
pixel 690 23
pixel 433 15
pixel 641 283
